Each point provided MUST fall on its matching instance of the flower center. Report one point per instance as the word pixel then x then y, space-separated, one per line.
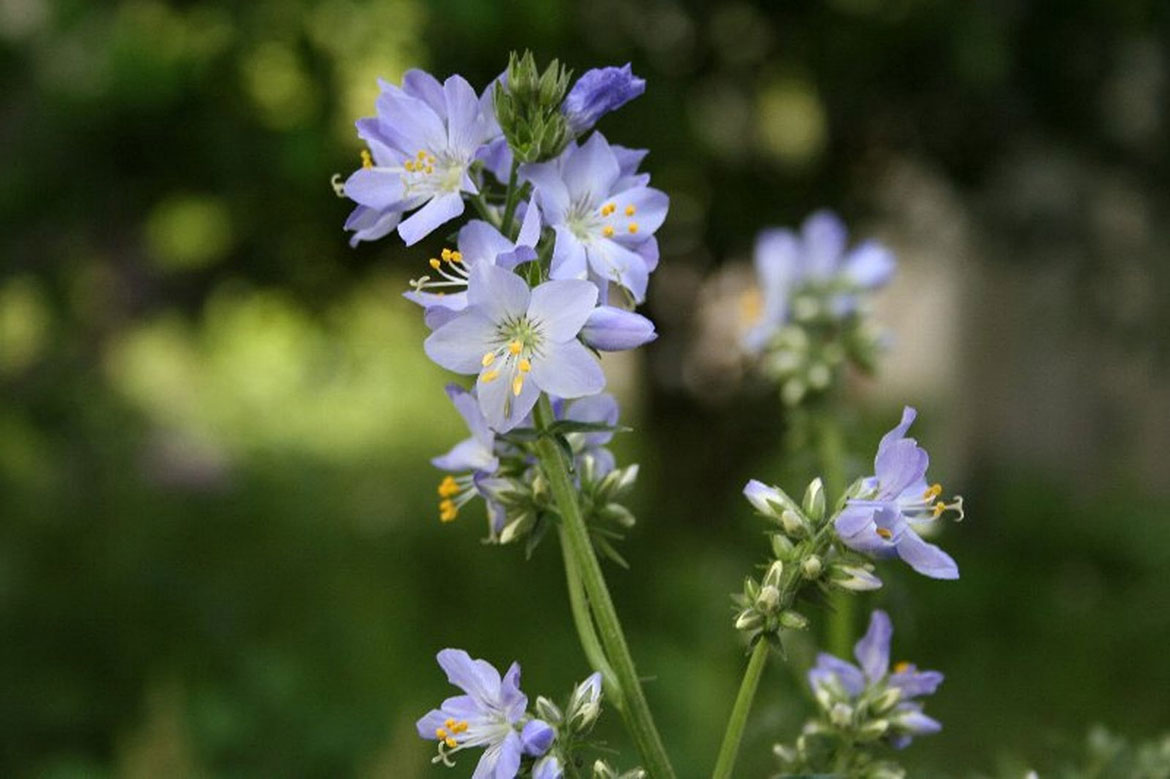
pixel 928 506
pixel 520 341
pixel 427 174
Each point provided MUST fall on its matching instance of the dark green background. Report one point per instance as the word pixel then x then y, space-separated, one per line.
pixel 218 546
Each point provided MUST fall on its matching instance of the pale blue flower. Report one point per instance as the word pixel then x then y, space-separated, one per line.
pixel 603 214
pixel 598 92
pixel 519 341
pixel 881 521
pixel 421 146
pixel 611 329
pixel 817 257
pixel 488 715
pixel 548 767
pixel 839 679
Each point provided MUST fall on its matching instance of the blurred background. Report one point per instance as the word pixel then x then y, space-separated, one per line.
pixel 219 554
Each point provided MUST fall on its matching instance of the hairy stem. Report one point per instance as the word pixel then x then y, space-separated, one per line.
pixel 586 631
pixel 636 712
pixel 739 713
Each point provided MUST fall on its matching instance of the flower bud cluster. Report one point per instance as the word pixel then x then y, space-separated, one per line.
pixel 808 357
pixel 528 108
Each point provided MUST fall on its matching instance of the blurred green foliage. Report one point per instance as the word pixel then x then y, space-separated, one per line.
pixel 218 550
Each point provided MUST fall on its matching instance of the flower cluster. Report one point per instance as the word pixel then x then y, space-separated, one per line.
pixel 492 714
pixel 879 517
pixel 863 704
pixel 807 317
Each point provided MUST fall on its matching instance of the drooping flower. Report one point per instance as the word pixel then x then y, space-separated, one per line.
pixel 421 146
pixel 490 714
pixel 478 242
pixel 881 520
pixel 815 260
pixel 876 688
pixel 598 92
pixel 519 341
pixel 604 216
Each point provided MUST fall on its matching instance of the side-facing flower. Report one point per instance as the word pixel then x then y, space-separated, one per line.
pixel 612 329
pixel 519 341
pixel 881 521
pixel 604 217
pixel 468 460
pixel 488 715
pixel 816 259
pixel 884 695
pixel 598 92
pixel 421 146
pixel 478 242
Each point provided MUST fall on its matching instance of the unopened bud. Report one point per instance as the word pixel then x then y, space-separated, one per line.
pixel 618 514
pixel 784 754
pixel 850 577
pixel 819 375
pixel 872 731
pixel 782 546
pixel 886 701
pixel 768 599
pixel 548 711
pixel 793 392
pixel 814 500
pixel 811 567
pixel 602 770
pixel 749 619
pixel 516 528
pixel 841 714
pixel 792 523
pixel 774 575
pixel 794 620
pixel 585 704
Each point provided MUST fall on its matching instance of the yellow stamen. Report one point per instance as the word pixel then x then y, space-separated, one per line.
pixel 932 492
pixel 367 160
pixel 434 263
pixel 460 726
pixel 446 254
pixel 630 210
pixel 448 511
pixel 633 227
pixel 518 385
pixel 515 347
pixel 607 231
pixel 456 256
pixel 451 743
pixel 450 723
pixel 488 359
pixel 447 488
pixel 884 533
pixel 524 365
pixel 409 165
pixel 430 169
pixel 608 209
pixel 490 376
pixel 422 155
pixel 440 733
pixel 939 508
pixel 902 667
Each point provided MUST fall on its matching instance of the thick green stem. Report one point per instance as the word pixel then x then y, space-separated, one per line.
pixel 831 453
pixel 739 714
pixel 586 631
pixel 576 537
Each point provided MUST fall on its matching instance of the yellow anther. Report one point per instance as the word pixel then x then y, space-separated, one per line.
pixel 902 667
pixel 608 209
pixel 456 256
pixel 422 155
pixel 488 359
pixel 367 160
pixel 448 487
pixel 932 492
pixel 460 726
pixel 446 254
pixel 630 210
pixel 515 347
pixel 448 511
pixel 518 385
pixel 884 533
pixel 434 263
pixel 490 376
pixel 430 169
pixel 939 508
pixel 409 165
pixel 451 742
pixel 440 733
pixel 633 228
pixel 450 723
pixel 607 231
pixel 524 365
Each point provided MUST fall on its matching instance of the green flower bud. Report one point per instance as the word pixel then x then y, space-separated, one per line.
pixel 841 715
pixel 781 546
pixel 886 701
pixel 872 731
pixel 811 567
pixel 548 711
pixel 814 500
pixel 768 600
pixel 749 619
pixel 618 514
pixel 793 524
pixel 794 620
pixel 528 107
pixel 774 575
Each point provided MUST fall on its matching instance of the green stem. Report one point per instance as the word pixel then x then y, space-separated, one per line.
pixel 586 631
pixel 636 713
pixel 739 714
pixel 481 207
pixel 831 453
pixel 511 201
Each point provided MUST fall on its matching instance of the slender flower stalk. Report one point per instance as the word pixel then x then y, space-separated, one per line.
pixel 739 713
pixel 636 711
pixel 831 454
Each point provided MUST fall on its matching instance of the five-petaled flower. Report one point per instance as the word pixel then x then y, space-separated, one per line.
pixel 603 214
pixel 491 714
pixel 889 693
pixel 421 146
pixel 881 520
pixel 519 341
